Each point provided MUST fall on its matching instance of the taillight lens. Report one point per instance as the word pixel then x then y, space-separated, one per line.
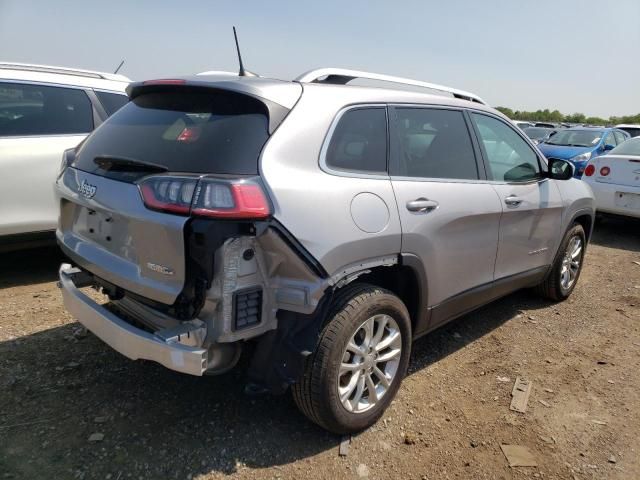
pixel 604 171
pixel 590 170
pixel 231 199
pixel 208 197
pixel 168 194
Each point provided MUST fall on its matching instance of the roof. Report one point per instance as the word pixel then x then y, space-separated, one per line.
pixel 341 76
pixel 63 76
pixel 286 92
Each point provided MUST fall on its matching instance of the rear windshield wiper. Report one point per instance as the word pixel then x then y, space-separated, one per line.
pixel 121 164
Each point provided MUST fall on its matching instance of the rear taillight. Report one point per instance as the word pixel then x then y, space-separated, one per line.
pixel 206 196
pixel 604 171
pixel 590 170
pixel 169 194
pixel 230 199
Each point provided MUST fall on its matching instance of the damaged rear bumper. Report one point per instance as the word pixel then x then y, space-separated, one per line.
pixel 130 341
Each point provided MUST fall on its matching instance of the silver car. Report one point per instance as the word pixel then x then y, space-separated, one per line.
pixel 317 226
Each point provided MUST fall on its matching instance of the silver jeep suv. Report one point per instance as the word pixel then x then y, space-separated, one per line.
pixel 317 226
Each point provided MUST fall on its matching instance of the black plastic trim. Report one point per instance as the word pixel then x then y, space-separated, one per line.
pixel 421 322
pixel 476 297
pixel 293 242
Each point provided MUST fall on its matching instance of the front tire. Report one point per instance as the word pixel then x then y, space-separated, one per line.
pixel 361 359
pixel 567 266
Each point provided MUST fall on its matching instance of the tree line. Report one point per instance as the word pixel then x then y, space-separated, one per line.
pixel 557 117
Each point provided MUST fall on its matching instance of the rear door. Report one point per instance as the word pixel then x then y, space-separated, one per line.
pixel 531 204
pixel 449 213
pixel 37 123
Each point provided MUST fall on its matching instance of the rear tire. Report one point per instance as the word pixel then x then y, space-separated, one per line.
pixel 342 388
pixel 566 267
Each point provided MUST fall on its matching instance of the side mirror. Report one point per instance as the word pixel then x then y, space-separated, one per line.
pixel 608 147
pixel 560 169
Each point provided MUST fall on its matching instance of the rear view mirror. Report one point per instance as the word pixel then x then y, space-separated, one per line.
pixel 608 147
pixel 560 169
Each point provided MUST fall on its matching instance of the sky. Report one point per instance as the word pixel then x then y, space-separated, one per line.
pixel 571 55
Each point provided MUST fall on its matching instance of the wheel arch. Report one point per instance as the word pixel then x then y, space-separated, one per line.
pixel 408 281
pixel 586 219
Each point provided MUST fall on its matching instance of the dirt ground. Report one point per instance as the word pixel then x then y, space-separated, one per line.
pixel 58 388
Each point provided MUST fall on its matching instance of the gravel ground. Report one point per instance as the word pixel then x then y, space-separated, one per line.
pixel 72 408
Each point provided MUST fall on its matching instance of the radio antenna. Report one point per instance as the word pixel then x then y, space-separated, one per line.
pixel 119 66
pixel 242 72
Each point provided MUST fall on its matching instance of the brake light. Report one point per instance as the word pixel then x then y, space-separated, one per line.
pixel 189 134
pixel 590 170
pixel 230 199
pixel 165 81
pixel 206 196
pixel 604 171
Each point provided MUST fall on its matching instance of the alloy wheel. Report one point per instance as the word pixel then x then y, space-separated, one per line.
pixel 571 263
pixel 369 363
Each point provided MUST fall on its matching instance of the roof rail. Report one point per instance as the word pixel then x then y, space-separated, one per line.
pixel 340 76
pixel 27 67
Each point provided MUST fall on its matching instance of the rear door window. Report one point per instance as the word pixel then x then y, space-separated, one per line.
pixel 433 143
pixel 359 141
pixel 111 102
pixel 27 109
pixel 214 131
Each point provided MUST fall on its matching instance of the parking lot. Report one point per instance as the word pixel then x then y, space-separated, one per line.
pixel 60 387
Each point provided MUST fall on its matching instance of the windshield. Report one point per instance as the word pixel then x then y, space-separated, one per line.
pixel 193 132
pixel 630 147
pixel 537 133
pixel 576 138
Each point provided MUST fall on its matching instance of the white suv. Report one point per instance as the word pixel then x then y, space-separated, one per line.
pixel 44 111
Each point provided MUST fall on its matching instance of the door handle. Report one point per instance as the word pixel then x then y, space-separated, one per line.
pixel 513 201
pixel 422 205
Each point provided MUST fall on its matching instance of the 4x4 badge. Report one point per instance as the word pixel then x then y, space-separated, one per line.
pixel 87 190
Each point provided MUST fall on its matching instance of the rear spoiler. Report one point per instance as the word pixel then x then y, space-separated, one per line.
pixel 276 111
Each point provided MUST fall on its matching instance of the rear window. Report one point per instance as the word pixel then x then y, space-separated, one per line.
pixel 634 132
pixel 630 147
pixel 111 102
pixel 217 132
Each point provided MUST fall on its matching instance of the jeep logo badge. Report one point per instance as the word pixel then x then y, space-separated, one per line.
pixel 86 189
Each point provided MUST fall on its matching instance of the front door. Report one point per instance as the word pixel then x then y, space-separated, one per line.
pixel 531 204
pixel 449 214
